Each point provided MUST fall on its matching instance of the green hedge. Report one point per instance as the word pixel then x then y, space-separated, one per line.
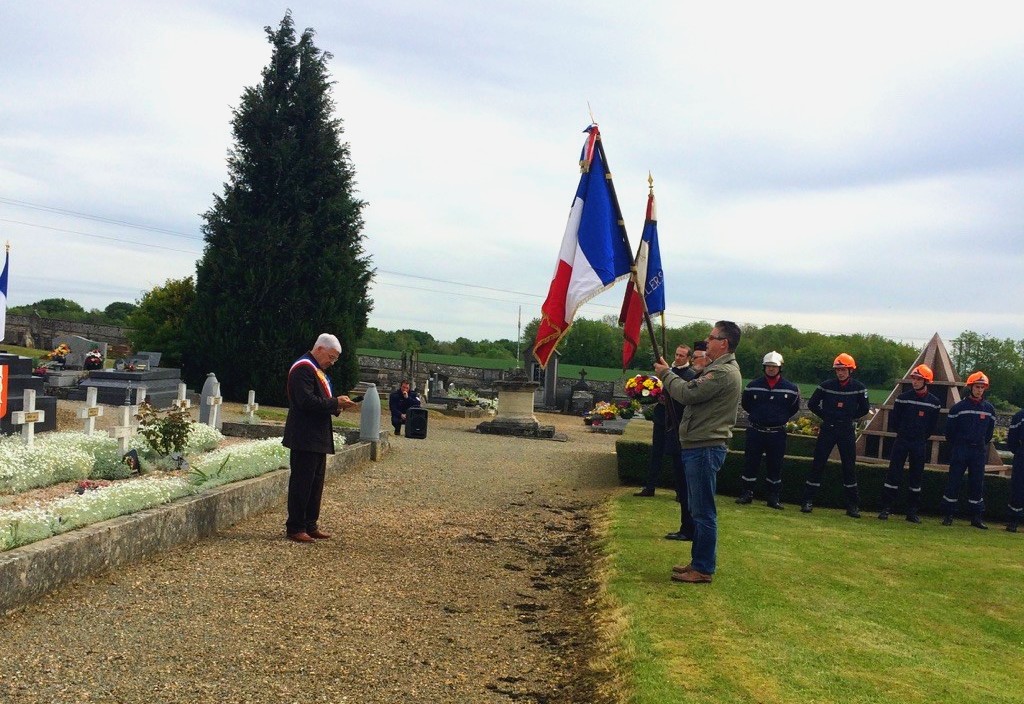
pixel 633 450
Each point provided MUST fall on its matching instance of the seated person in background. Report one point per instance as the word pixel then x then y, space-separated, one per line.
pixel 399 403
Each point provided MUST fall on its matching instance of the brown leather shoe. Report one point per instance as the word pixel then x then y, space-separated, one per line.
pixel 691 577
pixel 319 535
pixel 302 537
pixel 682 569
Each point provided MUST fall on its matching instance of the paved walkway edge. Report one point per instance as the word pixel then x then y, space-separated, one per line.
pixel 29 572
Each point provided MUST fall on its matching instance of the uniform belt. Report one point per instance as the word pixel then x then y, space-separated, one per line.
pixel 768 428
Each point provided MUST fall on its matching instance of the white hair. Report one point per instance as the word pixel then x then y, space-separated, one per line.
pixel 329 341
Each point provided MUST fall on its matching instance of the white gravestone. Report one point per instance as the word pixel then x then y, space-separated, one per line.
pixel 134 409
pixel 182 401
pixel 91 412
pixel 250 407
pixel 214 401
pixel 124 429
pixel 28 417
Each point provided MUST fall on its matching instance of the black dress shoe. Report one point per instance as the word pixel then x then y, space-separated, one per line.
pixel 978 523
pixel 853 512
pixel 746 497
pixel 913 518
pixel 775 504
pixel 1012 526
pixel 678 536
pixel 645 492
pixel 883 515
pixel 947 521
pixel 807 507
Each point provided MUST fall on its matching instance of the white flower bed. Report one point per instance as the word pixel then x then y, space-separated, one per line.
pixel 78 510
pixel 28 525
pixel 56 457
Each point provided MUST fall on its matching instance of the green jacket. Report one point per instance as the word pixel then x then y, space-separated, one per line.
pixel 711 400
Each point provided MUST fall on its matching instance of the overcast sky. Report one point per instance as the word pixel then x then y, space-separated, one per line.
pixel 836 167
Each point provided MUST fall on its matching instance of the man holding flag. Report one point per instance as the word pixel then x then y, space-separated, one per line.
pixel 594 253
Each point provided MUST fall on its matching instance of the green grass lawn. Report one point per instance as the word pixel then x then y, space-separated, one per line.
pixel 280 414
pixel 818 608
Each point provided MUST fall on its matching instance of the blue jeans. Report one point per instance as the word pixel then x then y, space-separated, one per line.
pixel 701 465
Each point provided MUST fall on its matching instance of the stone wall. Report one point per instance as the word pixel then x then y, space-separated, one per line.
pixel 43 330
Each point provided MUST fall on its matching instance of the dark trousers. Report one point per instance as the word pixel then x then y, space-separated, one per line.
pixel 658 449
pixel 972 460
pixel 772 445
pixel 902 450
pixel 398 427
pixel 305 489
pixel 1017 487
pixel 843 437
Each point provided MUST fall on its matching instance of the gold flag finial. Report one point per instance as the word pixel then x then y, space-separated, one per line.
pixel 650 183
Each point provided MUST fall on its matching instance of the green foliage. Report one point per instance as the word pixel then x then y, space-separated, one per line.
pixel 118 311
pixel 49 308
pixel 158 322
pixel 284 258
pixel 165 431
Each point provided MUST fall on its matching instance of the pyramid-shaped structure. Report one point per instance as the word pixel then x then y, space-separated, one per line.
pixel 875 441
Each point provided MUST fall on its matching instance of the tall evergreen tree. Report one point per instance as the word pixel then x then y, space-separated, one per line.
pixel 284 259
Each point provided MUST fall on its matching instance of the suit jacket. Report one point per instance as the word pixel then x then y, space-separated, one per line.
pixel 400 406
pixel 311 404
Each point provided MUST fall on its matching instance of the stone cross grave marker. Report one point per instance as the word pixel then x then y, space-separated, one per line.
pixel 28 417
pixel 140 398
pixel 91 411
pixel 182 401
pixel 124 429
pixel 214 403
pixel 251 407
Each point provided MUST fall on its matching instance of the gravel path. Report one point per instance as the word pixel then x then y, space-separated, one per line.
pixel 461 571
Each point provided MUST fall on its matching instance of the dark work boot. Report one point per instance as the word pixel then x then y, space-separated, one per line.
pixel 806 507
pixel 1012 525
pixel 773 502
pixel 947 521
pixel 883 515
pixel 978 523
pixel 913 517
pixel 852 511
pixel 746 497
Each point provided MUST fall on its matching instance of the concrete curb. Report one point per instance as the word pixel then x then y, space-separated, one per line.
pixel 29 572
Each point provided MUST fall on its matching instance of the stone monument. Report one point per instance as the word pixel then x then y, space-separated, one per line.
pixel 515 409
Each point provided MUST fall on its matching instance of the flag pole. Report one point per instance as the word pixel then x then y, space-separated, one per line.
pixel 625 238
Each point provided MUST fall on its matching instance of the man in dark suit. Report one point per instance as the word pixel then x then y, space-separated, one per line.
pixel 399 403
pixel 309 434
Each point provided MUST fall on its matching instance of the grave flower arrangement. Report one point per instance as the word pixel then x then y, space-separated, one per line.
pixel 60 353
pixel 645 388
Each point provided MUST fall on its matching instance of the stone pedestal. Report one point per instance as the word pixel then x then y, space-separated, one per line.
pixel 515 411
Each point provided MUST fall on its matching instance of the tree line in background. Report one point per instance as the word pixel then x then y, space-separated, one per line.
pixel 62 309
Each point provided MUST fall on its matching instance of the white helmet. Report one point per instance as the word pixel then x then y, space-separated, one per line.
pixel 772 357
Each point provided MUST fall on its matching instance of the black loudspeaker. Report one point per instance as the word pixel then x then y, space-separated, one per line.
pixel 416 423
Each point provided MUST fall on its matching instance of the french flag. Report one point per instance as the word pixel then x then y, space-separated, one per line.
pixel 594 254
pixel 650 278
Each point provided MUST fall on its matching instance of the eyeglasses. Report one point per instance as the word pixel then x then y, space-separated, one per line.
pixel 717 337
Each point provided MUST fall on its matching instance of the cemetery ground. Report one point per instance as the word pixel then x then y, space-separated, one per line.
pixel 481 568
pixel 462 569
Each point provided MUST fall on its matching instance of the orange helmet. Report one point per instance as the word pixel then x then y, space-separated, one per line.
pixel 844 361
pixel 977 378
pixel 923 371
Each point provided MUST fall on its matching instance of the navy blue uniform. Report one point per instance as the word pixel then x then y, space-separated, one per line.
pixel 839 406
pixel 1015 440
pixel 913 419
pixel 969 429
pixel 768 409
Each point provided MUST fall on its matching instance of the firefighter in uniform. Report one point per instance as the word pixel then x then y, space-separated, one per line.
pixel 1015 439
pixel 969 429
pixel 839 402
pixel 913 419
pixel 770 401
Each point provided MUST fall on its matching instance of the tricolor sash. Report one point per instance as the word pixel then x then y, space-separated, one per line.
pixel 324 381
